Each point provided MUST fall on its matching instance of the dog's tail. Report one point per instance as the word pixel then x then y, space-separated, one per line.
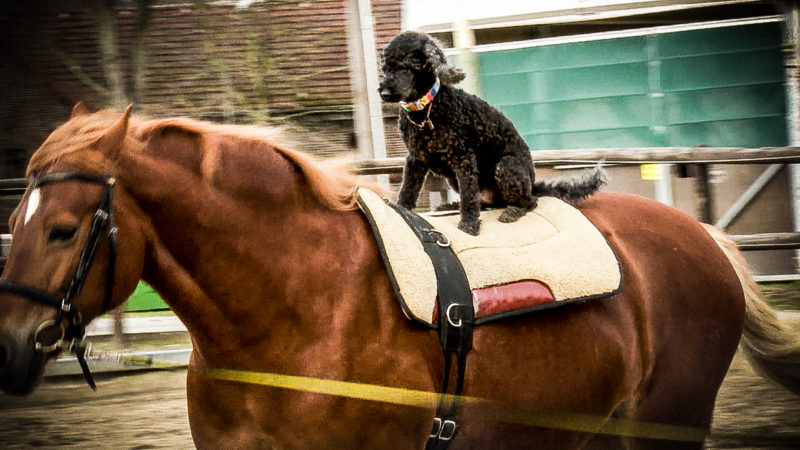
pixel 572 189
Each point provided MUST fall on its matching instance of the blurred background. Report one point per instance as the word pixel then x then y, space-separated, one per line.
pixel 617 76
pixel 575 74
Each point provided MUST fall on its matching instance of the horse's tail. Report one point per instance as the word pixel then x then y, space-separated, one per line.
pixel 771 345
pixel 571 189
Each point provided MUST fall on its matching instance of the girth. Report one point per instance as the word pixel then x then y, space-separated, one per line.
pixel 103 219
pixel 456 320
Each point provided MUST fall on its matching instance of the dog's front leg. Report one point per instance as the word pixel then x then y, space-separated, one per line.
pixel 414 174
pixel 468 189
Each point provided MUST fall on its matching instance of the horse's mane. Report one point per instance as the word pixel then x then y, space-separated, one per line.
pixel 75 136
pixel 330 181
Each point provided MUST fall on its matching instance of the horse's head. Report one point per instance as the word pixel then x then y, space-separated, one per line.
pixel 64 267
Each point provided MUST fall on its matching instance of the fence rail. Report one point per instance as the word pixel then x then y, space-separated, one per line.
pixel 767 241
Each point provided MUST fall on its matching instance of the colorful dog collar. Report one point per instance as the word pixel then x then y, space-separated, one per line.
pixel 426 99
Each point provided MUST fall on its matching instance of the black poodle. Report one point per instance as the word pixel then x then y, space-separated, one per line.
pixel 461 137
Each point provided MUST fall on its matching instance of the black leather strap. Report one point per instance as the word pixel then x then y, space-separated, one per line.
pixel 103 220
pixel 33 293
pixel 456 320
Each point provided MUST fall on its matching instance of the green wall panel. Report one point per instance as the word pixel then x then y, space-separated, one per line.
pixel 628 137
pixel 565 56
pixel 739 102
pixel 712 41
pixel 594 113
pixel 763 132
pixel 144 298
pixel 718 86
pixel 729 69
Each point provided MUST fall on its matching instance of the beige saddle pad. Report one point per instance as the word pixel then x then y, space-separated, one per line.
pixel 554 247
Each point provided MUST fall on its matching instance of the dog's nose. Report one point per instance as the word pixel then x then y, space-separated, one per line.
pixel 385 93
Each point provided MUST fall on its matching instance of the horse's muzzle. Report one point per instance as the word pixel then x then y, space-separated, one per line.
pixel 21 367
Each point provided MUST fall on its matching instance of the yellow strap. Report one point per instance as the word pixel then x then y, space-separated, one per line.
pixel 423 399
pixel 360 391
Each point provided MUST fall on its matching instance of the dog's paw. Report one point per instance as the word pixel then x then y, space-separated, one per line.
pixel 469 227
pixel 512 214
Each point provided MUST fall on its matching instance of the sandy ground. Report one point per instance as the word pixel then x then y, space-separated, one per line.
pixel 147 410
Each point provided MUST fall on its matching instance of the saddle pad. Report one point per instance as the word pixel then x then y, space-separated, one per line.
pixel 551 256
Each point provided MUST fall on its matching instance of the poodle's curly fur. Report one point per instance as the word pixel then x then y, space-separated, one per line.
pixel 463 138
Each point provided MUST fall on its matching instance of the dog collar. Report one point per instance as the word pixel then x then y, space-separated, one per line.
pixel 426 99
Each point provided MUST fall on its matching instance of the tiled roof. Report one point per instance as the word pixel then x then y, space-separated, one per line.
pixel 273 59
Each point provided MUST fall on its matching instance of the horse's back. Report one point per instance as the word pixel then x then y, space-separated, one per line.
pixel 688 301
pixel 669 255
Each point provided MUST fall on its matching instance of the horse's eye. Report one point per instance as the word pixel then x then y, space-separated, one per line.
pixel 62 233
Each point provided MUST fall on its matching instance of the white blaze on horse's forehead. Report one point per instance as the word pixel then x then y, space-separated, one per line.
pixel 33 204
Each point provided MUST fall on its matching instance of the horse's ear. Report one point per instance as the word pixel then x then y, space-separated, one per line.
pixel 79 110
pixel 111 142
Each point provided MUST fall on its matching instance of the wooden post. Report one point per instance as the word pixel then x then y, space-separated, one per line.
pixel 119 332
pixel 705 207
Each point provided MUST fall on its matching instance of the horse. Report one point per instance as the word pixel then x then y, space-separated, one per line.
pixel 262 253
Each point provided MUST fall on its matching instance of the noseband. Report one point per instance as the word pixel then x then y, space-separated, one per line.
pixel 103 219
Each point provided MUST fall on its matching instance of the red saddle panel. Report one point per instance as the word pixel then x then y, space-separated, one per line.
pixel 507 300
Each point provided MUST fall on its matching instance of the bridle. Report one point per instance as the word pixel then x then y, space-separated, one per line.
pixel 50 336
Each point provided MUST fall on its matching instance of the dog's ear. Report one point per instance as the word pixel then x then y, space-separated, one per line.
pixel 449 74
pixel 434 55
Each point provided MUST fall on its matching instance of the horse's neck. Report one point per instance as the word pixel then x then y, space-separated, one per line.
pixel 230 265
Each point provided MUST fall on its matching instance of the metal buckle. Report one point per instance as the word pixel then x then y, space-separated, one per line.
pixel 39 347
pixel 437 427
pixel 443 430
pixel 65 306
pixel 441 239
pixel 452 430
pixel 450 319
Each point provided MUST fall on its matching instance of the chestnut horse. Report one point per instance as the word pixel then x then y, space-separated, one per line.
pixel 265 258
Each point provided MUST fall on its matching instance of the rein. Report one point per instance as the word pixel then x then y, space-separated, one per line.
pixel 50 335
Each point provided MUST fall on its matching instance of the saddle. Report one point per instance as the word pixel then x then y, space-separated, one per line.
pixel 550 257
pixel 452 281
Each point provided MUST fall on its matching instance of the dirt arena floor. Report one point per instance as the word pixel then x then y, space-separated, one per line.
pixel 147 410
